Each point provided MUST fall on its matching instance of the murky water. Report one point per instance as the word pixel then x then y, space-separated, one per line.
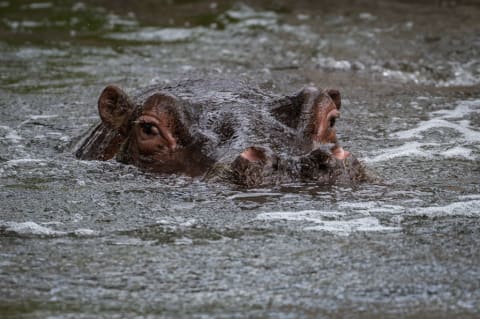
pixel 83 239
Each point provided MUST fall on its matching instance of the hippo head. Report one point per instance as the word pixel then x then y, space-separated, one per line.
pixel 157 133
pixel 168 135
pixel 311 114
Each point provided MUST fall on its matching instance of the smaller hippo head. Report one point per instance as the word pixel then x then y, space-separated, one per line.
pixel 313 151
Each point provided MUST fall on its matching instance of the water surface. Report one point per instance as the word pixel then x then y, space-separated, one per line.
pixel 82 239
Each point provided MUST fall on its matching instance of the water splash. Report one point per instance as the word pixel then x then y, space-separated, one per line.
pixel 467 208
pixel 33 229
pixel 166 35
pixel 366 224
pixel 459 138
pixel 329 221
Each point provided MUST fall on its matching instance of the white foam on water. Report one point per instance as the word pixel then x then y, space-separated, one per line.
pixel 464 108
pixel 331 63
pixel 24 161
pixel 115 20
pixel 416 149
pixel 54 223
pixel 32 229
pixel 458 152
pixel 463 75
pixel 455 119
pixel 391 209
pixel 84 232
pixel 367 16
pixel 446 119
pixel 132 242
pixel 189 223
pixel 13 136
pixel 40 5
pixel 346 227
pixel 359 206
pixel 177 223
pixel 471 196
pixel 469 208
pixel 315 216
pixel 37 117
pixel 160 35
pixel 463 128
pixel 183 241
pixel 29 53
pixel 401 75
pixel 323 222
pixel 254 195
pixel 406 150
pixel 243 12
pixel 366 208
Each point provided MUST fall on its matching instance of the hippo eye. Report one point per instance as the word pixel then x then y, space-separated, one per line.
pixel 149 128
pixel 332 121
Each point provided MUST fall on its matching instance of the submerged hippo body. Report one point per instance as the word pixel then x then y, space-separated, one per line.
pixel 224 130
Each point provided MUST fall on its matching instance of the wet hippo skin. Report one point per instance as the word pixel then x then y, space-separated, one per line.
pixel 223 130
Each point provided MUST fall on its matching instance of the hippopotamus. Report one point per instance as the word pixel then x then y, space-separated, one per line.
pixel 224 130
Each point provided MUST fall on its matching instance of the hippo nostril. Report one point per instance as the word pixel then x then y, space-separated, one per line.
pixel 340 153
pixel 254 154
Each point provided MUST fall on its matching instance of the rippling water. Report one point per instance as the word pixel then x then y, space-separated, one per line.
pixel 82 239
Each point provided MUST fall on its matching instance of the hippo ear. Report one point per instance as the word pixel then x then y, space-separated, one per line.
pixel 288 110
pixel 115 108
pixel 335 95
